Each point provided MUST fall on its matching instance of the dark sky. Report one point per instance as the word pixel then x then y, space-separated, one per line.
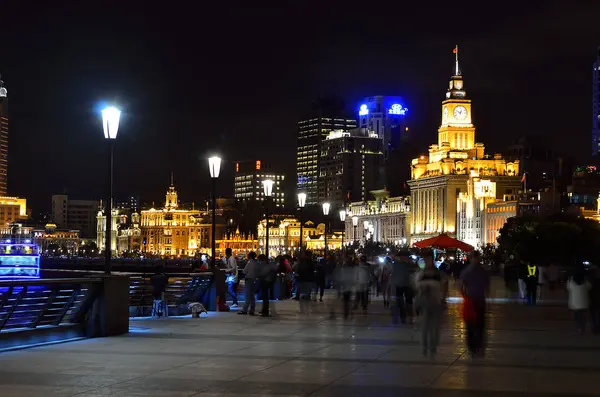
pixel 235 78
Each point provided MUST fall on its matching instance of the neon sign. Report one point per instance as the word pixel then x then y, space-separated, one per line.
pixel 363 111
pixel 397 109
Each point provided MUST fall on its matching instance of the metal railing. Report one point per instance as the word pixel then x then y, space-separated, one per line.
pixel 28 304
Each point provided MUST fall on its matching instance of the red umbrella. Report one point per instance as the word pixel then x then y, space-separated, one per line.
pixel 444 241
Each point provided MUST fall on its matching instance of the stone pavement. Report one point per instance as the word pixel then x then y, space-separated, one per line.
pixel 531 352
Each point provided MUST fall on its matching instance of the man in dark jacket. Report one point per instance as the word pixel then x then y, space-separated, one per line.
pixel 159 282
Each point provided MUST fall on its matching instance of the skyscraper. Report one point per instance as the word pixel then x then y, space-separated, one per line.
pixel 596 105
pixel 325 116
pixel 349 166
pixel 3 140
pixel 248 182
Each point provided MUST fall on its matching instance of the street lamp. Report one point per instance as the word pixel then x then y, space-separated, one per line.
pixel 343 219
pixel 355 224
pixel 326 207
pixel 214 166
pixel 268 190
pixel 110 124
pixel 301 204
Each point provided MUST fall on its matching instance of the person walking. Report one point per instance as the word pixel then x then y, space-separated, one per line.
pixel 579 298
pixel 403 269
pixel 475 284
pixel 531 283
pixel 320 279
pixel 251 274
pixel 595 298
pixel 363 278
pixel 347 282
pixel 267 276
pixel 384 281
pixel 305 279
pixel 429 289
pixel 231 270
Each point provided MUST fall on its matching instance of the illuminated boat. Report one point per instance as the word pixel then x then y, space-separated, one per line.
pixel 19 259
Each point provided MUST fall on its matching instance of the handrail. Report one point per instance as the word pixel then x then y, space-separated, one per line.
pixel 46 281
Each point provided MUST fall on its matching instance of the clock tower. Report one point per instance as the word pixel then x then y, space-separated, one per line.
pixel 456 129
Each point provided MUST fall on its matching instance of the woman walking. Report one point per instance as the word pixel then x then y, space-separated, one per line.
pixel 429 288
pixel 579 298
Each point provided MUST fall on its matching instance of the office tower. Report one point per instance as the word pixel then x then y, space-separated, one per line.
pixel 384 115
pixel 248 185
pixel 596 105
pixel 75 214
pixel 3 140
pixel 349 167
pixel 325 116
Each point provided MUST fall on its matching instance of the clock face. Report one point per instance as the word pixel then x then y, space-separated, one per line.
pixel 460 113
pixel 445 114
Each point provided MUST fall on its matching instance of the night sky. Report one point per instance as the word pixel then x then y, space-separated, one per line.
pixel 235 78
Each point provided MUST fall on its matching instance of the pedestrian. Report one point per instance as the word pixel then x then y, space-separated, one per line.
pixel 522 277
pixel 475 284
pixel 579 298
pixel 363 278
pixel 159 282
pixel 305 279
pixel 595 298
pixel 384 281
pixel 231 270
pixel 251 274
pixel 429 290
pixel 267 276
pixel 541 281
pixel 403 270
pixel 320 279
pixel 347 282
pixel 531 283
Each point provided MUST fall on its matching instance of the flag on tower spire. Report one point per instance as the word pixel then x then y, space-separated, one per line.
pixel 456 69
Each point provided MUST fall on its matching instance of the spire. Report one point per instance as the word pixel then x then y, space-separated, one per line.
pixel 456 67
pixel 172 179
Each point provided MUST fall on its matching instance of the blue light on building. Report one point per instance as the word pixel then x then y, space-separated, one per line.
pixel 397 109
pixel 363 111
pixel 19 261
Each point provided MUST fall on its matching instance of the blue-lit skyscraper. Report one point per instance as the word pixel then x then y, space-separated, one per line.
pixel 596 106
pixel 384 115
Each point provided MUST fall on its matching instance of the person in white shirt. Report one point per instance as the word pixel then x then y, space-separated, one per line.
pixel 579 298
pixel 231 269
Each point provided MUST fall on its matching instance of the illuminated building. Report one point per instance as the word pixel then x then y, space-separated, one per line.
pixel 240 243
pixel 384 116
pixel 3 140
pixel 496 215
pixel 12 209
pixel 596 105
pixel 327 115
pixel 248 182
pixel 385 219
pixel 177 231
pixel 50 236
pixel 75 214
pixel 284 234
pixel 129 233
pixel 349 166
pixel 317 242
pixel 101 229
pixel 471 209
pixel 439 178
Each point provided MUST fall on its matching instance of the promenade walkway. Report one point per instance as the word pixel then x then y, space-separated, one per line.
pixel 532 351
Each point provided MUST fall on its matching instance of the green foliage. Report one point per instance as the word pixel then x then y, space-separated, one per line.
pixel 563 239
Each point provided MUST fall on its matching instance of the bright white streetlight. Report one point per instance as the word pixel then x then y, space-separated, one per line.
pixel 301 200
pixel 110 122
pixel 326 207
pixel 214 165
pixel 343 215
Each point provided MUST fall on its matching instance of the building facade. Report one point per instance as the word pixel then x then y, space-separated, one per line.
pixel 75 214
pixel 3 139
pixel 384 116
pixel 12 209
pixel 384 220
pixel 596 105
pixel 439 178
pixel 50 238
pixel 349 166
pixel 248 186
pixel 284 234
pixel 326 116
pixel 471 210
pixel 240 243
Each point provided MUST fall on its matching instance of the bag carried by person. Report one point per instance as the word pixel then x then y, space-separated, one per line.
pixel 468 310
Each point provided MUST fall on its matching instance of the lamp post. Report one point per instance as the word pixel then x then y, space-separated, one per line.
pixel 326 207
pixel 268 190
pixel 214 166
pixel 301 204
pixel 343 219
pixel 355 224
pixel 110 124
